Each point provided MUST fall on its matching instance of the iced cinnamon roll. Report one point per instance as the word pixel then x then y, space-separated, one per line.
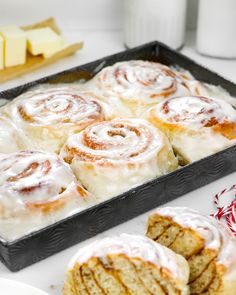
pixel 126 264
pixel 113 156
pixel 36 189
pixel 197 126
pixel 206 243
pixel 138 84
pixel 48 116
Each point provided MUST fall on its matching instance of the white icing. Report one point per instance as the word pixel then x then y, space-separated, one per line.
pixel 140 83
pixel 135 247
pixel 48 116
pixel 218 92
pixel 195 111
pixel 197 116
pixel 57 105
pixel 204 143
pixel 119 144
pixel 120 154
pixel 215 235
pixel 11 139
pixel 29 179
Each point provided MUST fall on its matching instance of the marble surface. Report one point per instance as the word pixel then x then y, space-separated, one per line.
pixel 48 274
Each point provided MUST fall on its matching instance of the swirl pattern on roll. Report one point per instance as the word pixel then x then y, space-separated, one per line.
pixel 199 111
pixel 139 84
pixel 115 141
pixel 37 186
pixel 56 112
pixel 118 155
pixel 197 126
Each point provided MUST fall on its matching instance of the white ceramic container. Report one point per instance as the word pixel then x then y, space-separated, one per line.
pixel 149 20
pixel 216 29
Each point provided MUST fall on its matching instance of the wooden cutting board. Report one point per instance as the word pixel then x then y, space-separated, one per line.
pixel 36 62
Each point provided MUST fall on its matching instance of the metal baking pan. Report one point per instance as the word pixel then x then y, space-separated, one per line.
pixel 81 226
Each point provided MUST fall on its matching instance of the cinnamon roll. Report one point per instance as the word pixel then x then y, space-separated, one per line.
pixel 206 243
pixel 126 264
pixel 197 126
pixel 36 189
pixel 48 116
pixel 138 84
pixel 112 157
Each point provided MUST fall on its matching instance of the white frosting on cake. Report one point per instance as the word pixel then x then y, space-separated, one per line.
pixel 214 233
pixel 46 174
pixel 135 247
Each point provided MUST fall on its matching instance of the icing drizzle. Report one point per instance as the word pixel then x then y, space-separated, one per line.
pixel 196 110
pixel 135 247
pixel 34 180
pixel 142 80
pixel 117 140
pixel 61 105
pixel 214 233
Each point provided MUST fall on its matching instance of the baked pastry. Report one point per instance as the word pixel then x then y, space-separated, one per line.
pixel 206 243
pixel 126 264
pixel 48 116
pixel 197 126
pixel 111 157
pixel 138 84
pixel 11 138
pixel 36 189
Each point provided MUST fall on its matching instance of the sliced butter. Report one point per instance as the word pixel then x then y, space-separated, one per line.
pixel 1 53
pixel 43 41
pixel 14 45
pixel 50 52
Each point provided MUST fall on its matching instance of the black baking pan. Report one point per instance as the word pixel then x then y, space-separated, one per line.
pixel 81 226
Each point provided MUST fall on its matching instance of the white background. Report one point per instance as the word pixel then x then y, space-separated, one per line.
pixel 74 14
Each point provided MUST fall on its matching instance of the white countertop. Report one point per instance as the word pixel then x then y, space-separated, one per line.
pixel 48 274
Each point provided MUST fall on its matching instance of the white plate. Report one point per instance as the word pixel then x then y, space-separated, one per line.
pixel 9 287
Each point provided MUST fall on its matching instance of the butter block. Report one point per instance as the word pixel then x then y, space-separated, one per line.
pixel 1 53
pixel 14 45
pixel 48 53
pixel 43 41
